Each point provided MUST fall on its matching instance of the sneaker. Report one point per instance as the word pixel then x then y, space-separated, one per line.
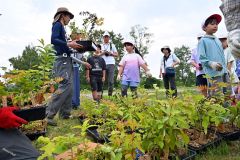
pixel 51 122
pixel 66 117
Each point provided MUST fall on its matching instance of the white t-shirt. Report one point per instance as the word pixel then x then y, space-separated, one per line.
pixel 229 58
pixel 168 63
pixel 106 47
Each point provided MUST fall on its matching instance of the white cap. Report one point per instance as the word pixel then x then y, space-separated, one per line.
pixel 106 34
pixel 128 41
pixel 200 35
pixel 223 36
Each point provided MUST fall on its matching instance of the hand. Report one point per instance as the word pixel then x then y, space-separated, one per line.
pixel 216 66
pixel 88 79
pixel 148 74
pixel 74 45
pixel 103 79
pixel 119 77
pixel 87 65
pixel 8 119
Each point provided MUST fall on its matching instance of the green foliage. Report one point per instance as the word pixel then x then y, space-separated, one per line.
pixel 234 116
pixel 56 145
pixel 28 60
pixel 209 111
pixel 184 74
pixel 25 84
pixel 142 38
pixel 149 82
pixel 46 56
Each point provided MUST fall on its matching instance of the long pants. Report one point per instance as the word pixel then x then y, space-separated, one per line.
pixel 110 68
pixel 170 80
pixel 61 99
pixel 76 87
pixel 16 146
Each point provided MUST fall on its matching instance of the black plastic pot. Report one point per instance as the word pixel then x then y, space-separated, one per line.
pixel 88 45
pixel 92 132
pixel 189 156
pixel 203 148
pixel 34 136
pixel 232 136
pixel 32 114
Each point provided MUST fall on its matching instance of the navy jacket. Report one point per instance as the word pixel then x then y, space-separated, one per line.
pixel 58 39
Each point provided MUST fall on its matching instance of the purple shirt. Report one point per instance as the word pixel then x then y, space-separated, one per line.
pixel 131 67
pixel 195 58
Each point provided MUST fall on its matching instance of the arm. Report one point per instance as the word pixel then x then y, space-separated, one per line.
pixel 104 75
pixel 120 71
pixel 88 72
pixel 114 52
pixel 229 66
pixel 55 40
pixel 176 60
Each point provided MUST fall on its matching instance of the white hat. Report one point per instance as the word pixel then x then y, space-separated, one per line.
pixel 200 35
pixel 106 34
pixel 223 36
pixel 128 41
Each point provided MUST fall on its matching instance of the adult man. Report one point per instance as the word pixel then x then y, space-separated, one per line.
pixel 13 144
pixel 109 52
pixel 231 12
pixel 63 68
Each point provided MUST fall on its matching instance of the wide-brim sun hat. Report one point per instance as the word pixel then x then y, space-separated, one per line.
pixel 60 11
pixel 215 16
pixel 166 47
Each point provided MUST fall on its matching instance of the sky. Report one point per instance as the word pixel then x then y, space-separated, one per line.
pixel 172 22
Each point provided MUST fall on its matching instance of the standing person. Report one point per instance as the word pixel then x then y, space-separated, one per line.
pixel 231 10
pixel 109 52
pixel 61 100
pixel 229 60
pixel 14 145
pixel 201 80
pixel 167 70
pixel 129 69
pixel 212 55
pixel 76 36
pixel 96 75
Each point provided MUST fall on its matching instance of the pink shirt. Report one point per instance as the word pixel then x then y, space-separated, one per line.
pixel 131 67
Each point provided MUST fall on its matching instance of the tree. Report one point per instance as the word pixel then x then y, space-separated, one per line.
pixel 184 74
pixel 28 60
pixel 142 38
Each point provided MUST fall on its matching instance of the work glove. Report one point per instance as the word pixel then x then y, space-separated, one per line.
pixel 148 74
pixel 8 119
pixel 216 66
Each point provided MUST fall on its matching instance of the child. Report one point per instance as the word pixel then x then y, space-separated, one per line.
pixel 129 69
pixel 169 61
pixel 212 55
pixel 96 75
pixel 229 60
pixel 201 80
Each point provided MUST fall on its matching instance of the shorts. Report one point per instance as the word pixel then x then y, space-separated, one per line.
pixel 96 83
pixel 130 83
pixel 201 80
